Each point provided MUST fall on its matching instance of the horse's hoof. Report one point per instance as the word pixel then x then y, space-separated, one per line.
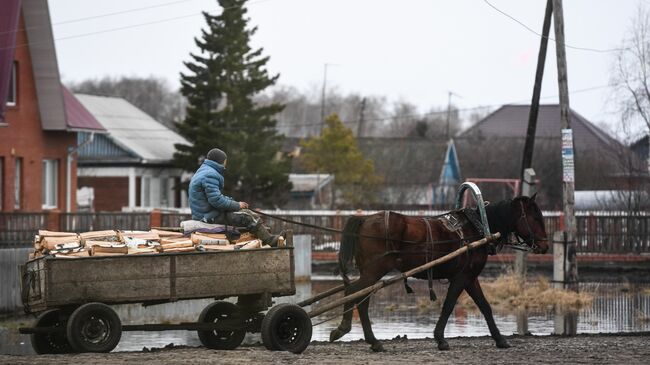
pixel 443 345
pixel 502 343
pixel 336 334
pixel 377 347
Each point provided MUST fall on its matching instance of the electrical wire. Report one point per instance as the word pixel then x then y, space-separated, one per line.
pixel 442 112
pixel 99 16
pixel 549 38
pixel 109 30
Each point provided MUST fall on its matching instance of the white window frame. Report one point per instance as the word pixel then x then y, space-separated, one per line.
pixel 18 182
pixel 13 86
pixel 50 183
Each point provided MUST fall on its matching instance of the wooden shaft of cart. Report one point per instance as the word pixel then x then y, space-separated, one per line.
pixel 383 283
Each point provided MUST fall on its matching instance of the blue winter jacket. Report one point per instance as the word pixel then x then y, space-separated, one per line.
pixel 206 200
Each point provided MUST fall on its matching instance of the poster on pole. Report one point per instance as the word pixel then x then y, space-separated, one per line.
pixel 568 174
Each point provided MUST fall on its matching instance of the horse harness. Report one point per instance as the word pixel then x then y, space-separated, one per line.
pixel 528 244
pixel 452 222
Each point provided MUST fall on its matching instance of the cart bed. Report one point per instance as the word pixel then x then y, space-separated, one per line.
pixel 55 282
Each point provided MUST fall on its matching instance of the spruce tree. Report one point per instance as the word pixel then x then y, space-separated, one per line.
pixel 220 84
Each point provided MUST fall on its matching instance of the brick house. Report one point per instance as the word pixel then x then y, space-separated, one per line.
pixel 130 166
pixel 38 124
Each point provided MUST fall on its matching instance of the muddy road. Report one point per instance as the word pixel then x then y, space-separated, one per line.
pixel 582 349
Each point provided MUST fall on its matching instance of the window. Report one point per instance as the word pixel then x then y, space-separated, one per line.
pixel 156 192
pixel 50 183
pixel 18 179
pixel 12 94
pixel 164 192
pixel 146 198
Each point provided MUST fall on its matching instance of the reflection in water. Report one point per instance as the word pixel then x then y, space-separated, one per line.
pixel 616 308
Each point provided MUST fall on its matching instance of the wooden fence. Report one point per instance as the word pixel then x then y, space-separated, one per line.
pixel 597 231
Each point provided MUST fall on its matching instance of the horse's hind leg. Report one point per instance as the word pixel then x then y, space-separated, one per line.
pixel 368 335
pixel 474 290
pixel 346 322
pixel 456 287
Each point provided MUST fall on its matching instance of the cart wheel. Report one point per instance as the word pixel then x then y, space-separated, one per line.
pixel 224 313
pixel 286 327
pixel 54 342
pixel 94 327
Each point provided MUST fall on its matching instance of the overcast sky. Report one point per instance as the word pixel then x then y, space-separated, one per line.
pixel 414 50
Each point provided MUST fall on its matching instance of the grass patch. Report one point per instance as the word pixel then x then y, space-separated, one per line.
pixel 508 292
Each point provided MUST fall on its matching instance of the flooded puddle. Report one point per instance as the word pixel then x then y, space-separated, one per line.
pixel 615 308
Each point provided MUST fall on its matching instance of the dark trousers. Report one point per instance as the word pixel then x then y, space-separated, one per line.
pixel 242 218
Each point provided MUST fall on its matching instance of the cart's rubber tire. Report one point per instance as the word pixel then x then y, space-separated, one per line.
pixel 50 343
pixel 94 327
pixel 221 340
pixel 286 327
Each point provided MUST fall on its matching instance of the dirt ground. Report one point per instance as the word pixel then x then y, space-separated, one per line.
pixel 582 349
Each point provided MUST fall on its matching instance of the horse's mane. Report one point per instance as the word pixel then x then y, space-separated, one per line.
pixel 499 217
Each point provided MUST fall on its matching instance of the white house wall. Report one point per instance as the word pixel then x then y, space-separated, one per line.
pixel 153 179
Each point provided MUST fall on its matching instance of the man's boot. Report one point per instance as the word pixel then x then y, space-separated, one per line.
pixel 263 234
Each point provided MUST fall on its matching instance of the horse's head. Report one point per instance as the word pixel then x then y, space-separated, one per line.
pixel 529 223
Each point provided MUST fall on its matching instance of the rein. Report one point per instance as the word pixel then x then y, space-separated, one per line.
pixel 334 230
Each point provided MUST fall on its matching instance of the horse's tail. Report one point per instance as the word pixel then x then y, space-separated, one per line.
pixel 349 244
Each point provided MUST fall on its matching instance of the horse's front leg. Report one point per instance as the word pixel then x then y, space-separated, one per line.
pixel 456 287
pixel 474 290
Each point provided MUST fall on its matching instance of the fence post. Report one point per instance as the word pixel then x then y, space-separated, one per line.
pixel 53 220
pixel 156 218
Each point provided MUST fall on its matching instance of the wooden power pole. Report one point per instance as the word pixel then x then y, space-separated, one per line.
pixel 565 268
pixel 527 180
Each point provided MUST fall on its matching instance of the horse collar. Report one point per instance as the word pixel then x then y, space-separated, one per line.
pixel 386 224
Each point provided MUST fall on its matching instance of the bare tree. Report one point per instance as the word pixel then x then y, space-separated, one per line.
pixel 631 71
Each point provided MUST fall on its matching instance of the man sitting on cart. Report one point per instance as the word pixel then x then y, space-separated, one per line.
pixel 210 205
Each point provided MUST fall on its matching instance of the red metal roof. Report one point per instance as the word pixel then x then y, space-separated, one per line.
pixel 78 117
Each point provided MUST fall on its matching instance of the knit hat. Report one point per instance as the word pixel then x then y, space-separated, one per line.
pixel 217 156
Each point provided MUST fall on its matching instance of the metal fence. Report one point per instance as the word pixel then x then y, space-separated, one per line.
pixel 84 222
pixel 174 219
pixel 18 229
pixel 597 231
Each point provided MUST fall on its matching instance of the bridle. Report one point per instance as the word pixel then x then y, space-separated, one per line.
pixel 525 244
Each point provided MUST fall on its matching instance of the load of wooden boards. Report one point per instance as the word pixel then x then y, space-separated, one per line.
pixel 112 242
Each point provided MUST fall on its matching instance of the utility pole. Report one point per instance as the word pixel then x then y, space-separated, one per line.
pixel 565 269
pixel 449 93
pixel 323 96
pixel 362 114
pixel 527 161
pixel 527 174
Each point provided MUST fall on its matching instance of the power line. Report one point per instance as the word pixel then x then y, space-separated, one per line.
pixel 132 10
pixel 468 109
pixel 127 26
pixel 542 36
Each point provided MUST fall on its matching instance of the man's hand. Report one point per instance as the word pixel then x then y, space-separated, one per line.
pixel 243 205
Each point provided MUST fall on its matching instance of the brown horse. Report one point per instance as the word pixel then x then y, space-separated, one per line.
pixel 388 241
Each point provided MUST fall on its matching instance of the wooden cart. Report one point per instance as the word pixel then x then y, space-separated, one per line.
pixel 75 292
pixel 74 296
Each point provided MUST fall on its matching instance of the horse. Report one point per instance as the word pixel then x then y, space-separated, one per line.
pixel 388 241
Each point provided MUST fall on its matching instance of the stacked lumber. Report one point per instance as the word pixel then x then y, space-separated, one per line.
pixel 114 242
